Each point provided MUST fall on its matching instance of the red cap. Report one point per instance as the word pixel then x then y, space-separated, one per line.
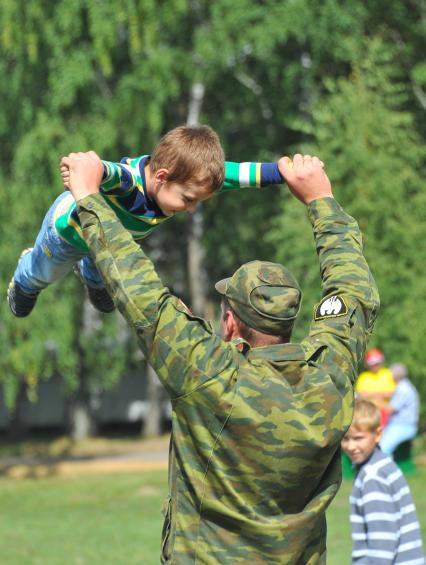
pixel 374 357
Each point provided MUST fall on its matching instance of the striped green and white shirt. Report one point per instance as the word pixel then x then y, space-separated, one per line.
pixel 124 188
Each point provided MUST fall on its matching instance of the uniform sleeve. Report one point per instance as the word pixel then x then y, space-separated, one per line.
pixel 246 175
pixel 120 179
pixel 344 318
pixel 182 348
pixel 374 523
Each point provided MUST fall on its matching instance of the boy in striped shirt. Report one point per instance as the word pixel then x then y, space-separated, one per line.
pixel 385 529
pixel 186 167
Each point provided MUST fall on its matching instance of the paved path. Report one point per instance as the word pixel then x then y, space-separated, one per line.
pixel 150 456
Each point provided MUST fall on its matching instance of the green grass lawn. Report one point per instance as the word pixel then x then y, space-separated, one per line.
pixel 116 519
pixel 86 520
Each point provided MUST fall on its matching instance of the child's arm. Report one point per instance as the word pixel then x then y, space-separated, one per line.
pixel 120 179
pixel 244 175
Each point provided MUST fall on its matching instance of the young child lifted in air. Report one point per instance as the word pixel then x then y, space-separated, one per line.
pixel 385 529
pixel 186 167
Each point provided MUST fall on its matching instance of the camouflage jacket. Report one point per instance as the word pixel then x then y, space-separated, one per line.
pixel 254 455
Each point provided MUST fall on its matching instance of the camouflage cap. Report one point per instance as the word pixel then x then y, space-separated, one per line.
pixel 264 295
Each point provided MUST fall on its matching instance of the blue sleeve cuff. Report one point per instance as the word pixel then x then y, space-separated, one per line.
pixel 270 174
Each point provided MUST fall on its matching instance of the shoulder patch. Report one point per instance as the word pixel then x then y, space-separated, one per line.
pixel 331 307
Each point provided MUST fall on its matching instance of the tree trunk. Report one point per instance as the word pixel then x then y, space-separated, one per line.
pixel 196 273
pixel 17 429
pixel 81 421
pixel 152 425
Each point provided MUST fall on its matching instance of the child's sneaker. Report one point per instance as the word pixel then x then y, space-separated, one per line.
pixel 99 297
pixel 20 302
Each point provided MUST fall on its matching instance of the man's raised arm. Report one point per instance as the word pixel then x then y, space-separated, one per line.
pixel 344 318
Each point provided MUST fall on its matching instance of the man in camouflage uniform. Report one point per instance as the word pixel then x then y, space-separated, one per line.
pixel 257 422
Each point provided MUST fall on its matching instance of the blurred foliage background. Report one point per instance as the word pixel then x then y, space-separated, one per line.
pixel 342 79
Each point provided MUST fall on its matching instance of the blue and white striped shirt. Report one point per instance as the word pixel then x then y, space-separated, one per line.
pixel 385 529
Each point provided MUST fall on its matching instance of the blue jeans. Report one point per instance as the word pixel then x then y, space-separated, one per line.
pixel 394 434
pixel 52 258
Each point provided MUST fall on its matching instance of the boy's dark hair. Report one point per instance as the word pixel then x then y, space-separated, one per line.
pixel 192 155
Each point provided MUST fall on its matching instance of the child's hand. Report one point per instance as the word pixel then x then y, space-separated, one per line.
pixel 65 174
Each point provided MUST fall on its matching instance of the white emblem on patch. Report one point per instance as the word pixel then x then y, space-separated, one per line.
pixel 331 307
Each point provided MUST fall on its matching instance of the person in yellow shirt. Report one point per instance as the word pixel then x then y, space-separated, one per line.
pixel 376 383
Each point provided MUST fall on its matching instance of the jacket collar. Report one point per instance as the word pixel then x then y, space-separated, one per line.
pixel 278 352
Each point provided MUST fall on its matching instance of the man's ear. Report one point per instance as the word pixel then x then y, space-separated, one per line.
pixel 161 175
pixel 231 326
pixel 379 433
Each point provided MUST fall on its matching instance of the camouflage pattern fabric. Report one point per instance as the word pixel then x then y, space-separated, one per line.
pixel 254 455
pixel 264 295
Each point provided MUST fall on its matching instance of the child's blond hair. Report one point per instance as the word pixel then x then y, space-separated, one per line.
pixel 192 155
pixel 366 415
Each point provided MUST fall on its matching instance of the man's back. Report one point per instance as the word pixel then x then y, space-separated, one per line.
pixel 257 432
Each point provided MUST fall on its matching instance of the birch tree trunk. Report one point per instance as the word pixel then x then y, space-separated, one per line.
pixel 81 420
pixel 196 272
pixel 152 425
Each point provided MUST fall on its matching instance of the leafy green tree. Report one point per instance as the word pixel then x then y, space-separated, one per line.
pixel 346 79
pixel 375 158
pixel 75 71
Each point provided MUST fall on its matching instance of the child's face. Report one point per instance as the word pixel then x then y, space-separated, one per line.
pixel 173 197
pixel 360 442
